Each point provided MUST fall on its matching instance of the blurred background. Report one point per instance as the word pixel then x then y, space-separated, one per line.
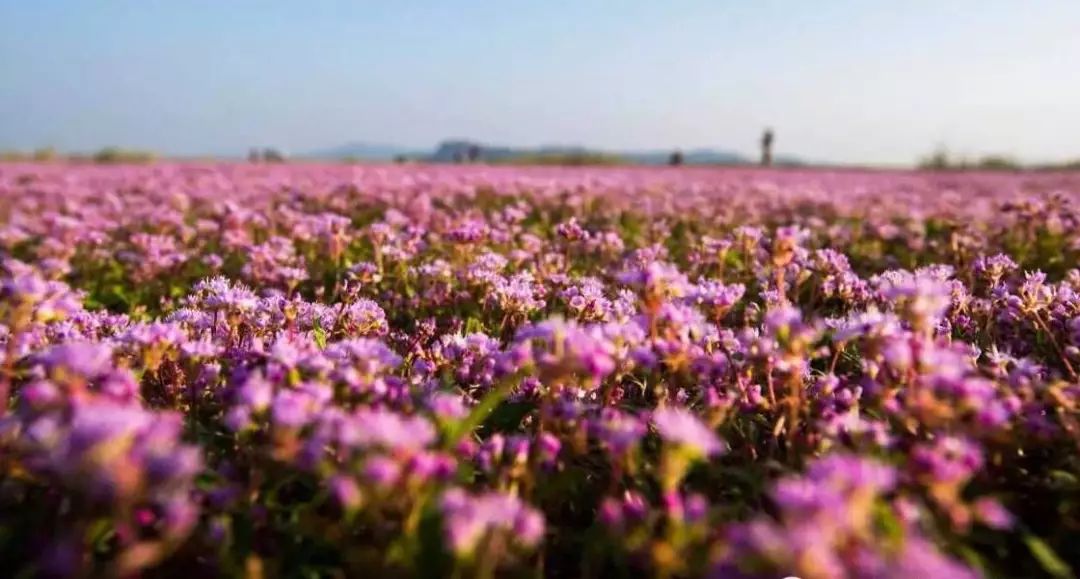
pixel 952 84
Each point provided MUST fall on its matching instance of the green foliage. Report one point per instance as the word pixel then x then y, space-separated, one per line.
pixel 942 160
pixel 939 160
pixel 1045 555
pixel 117 155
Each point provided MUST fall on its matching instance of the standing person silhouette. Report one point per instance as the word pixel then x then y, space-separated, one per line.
pixel 766 148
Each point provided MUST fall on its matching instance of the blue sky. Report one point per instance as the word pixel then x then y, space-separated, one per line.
pixel 839 80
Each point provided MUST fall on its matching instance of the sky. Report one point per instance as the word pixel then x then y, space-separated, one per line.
pixel 847 81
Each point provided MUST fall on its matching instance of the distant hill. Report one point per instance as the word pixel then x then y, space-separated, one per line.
pixel 364 152
pixel 449 151
pixel 455 150
pixel 691 157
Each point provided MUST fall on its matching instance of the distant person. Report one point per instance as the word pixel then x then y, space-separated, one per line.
pixel 676 158
pixel 474 153
pixel 766 148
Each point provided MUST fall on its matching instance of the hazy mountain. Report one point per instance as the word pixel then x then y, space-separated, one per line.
pixel 449 151
pixel 364 152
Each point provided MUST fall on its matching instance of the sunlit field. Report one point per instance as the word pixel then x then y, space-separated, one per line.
pixel 330 371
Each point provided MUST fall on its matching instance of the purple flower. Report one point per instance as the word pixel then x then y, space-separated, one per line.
pixel 618 431
pixel 447 406
pixel 949 459
pixel 682 429
pixel 345 492
pixel 562 349
pixel 468 518
pixel 382 471
pixel 83 360
pixel 920 299
pixel 291 409
pixel 390 430
pixel 992 514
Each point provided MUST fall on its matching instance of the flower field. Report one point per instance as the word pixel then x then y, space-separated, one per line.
pixel 348 371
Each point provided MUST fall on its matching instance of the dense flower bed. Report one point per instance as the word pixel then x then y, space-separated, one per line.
pixel 292 371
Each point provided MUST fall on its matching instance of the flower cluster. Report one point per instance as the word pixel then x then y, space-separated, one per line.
pixel 291 370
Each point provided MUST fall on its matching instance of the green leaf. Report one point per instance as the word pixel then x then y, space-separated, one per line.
pixel 487 404
pixel 974 560
pixel 320 334
pixel 474 325
pixel 1063 478
pixel 507 417
pixel 1046 557
pixel 99 533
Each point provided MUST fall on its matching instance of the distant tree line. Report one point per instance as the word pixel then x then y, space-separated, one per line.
pixel 105 155
pixel 564 159
pixel 942 160
pixel 939 160
pixel 268 155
